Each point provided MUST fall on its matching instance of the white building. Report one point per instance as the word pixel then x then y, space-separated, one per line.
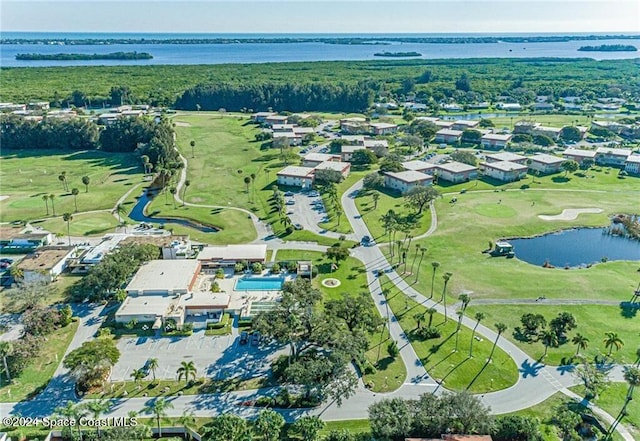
pixel 507 156
pixel 495 140
pixel 419 166
pixel 448 136
pixel 347 151
pixel 578 155
pixel 610 156
pixel 46 263
pixel 504 171
pixel 314 159
pixel 343 167
pixel 463 124
pixel 456 172
pixel 406 180
pixel 296 176
pixel 632 165
pixel 383 128
pixel 546 164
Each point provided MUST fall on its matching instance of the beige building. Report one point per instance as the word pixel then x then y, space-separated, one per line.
pixel 504 171
pixel 46 263
pixel 545 164
pixel 506 156
pixel 406 180
pixel 296 176
pixel 456 172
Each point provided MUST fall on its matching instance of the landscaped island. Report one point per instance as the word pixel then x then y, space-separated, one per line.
pixel 397 54
pixel 73 57
pixel 609 48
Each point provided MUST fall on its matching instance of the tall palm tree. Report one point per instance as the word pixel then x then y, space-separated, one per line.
pixel 415 256
pixel 479 316
pixel 173 190
pixel 446 277
pixel 460 314
pixel 6 350
pixel 86 180
pixel 68 217
pixel 247 181
pixel 193 144
pixel 45 198
pixel 632 377
pixel 159 408
pixel 253 184
pixel 580 341
pixel 145 163
pixel 75 192
pixel 137 375
pixel 611 341
pixel 638 357
pixel 53 207
pixel 187 183
pixel 431 312
pixel 188 421
pixel 419 318
pixel 153 365
pixel 187 370
pixel 337 210
pixel 548 338
pixel 62 177
pixel 120 211
pixel 434 266
pixel 72 412
pixel 376 197
pixel 422 251
pixel 500 327
pixel 97 408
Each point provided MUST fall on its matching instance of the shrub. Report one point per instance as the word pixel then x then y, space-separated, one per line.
pixel 131 324
pixel 275 269
pixel 238 268
pixel 428 333
pixel 392 349
pixel 220 273
pixel 256 267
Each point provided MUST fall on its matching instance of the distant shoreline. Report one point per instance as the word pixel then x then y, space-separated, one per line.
pixel 609 48
pixel 371 40
pixel 74 57
pixel 397 54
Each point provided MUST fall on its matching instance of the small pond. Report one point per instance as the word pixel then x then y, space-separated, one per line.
pixel 577 247
pixel 137 214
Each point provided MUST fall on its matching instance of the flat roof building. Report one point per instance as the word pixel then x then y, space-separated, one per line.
pixel 164 277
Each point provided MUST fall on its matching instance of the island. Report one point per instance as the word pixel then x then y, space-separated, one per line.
pixel 73 57
pixel 609 48
pixel 397 54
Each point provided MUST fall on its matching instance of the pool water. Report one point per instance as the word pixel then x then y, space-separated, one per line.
pixel 259 284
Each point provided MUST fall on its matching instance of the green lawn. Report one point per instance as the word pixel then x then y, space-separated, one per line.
pixel 56 292
pixel 28 175
pixel 612 400
pixel 37 374
pixel 593 321
pixel 87 224
pixel 344 226
pixel 353 426
pixel 456 369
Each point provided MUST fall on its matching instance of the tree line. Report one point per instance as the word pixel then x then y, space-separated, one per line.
pixel 294 97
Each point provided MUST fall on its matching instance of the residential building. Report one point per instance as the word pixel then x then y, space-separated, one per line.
pixel 504 171
pixel 355 125
pixel 456 172
pixel 452 107
pixel 611 156
pixel 545 164
pixel 632 165
pixel 448 136
pixel 164 277
pixel 420 166
pixel 506 156
pixel 314 159
pixel 38 105
pixel 281 128
pixel 296 176
pixel 21 241
pixel 226 256
pixel 46 263
pixel 578 155
pixel 479 106
pixel 108 118
pixel 294 138
pixel 383 128
pixel 509 107
pixel 495 141
pixel 373 143
pixel 272 120
pixel 343 167
pixel 543 107
pixel 346 151
pixel 440 124
pixel 463 124
pixel 406 180
pixel 260 117
pixel 551 132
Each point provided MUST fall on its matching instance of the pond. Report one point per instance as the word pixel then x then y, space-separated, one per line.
pixel 137 214
pixel 577 247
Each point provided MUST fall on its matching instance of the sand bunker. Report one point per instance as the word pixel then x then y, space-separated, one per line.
pixel 569 214
pixel 2 198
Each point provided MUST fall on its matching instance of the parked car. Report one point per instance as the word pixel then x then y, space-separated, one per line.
pixel 145 369
pixel 6 260
pixel 255 339
pixel 244 337
pixel 291 202
pixel 289 193
pixel 297 226
pixel 365 240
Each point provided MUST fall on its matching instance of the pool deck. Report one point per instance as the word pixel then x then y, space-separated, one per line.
pixel 242 300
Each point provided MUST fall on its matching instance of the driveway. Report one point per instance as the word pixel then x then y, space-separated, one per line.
pixel 213 356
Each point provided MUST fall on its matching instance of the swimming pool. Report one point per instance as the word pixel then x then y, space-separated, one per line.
pixel 259 284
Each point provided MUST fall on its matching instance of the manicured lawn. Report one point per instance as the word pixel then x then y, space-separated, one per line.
pixel 353 426
pixel 37 374
pixel 88 224
pixel 612 400
pixel 593 321
pixel 56 293
pixel 390 373
pixel 308 236
pixel 456 369
pixel 544 412
pixel 344 226
pixel 27 175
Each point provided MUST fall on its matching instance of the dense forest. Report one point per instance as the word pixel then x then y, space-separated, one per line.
pixel 154 139
pixel 609 48
pixel 436 80
pixel 73 57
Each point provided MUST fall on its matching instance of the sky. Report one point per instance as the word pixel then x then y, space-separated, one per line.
pixel 324 16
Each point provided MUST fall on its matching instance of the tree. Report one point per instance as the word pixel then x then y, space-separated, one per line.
pixel 6 350
pixel 137 375
pixel 120 211
pixel 227 427
pixel 363 157
pixel 486 123
pixel 425 129
pixel 337 253
pixel 53 208
pixel 145 163
pixel 91 361
pixel 153 365
pixel 466 413
pixel 580 341
pixel 611 341
pixel 463 83
pixel 567 421
pixel 548 337
pixel 632 377
pixel 542 140
pixel 570 133
pixel 391 163
pixel 96 408
pixel 158 408
pixel 328 176
pixel 62 177
pixel 373 181
pixel 193 145
pixel 72 412
pixel 565 321
pixel 464 157
pixel 187 183
pixel 75 192
pixel 173 190
pixel 355 310
pixel 434 267
pixel 187 370
pixel 500 327
pixel 68 217
pixel 516 428
pixel 391 419
pixel 532 323
pixel 471 136
pixel 45 198
pixel 570 167
pixel 593 378
pixel 268 425
pixel 464 299
pixel 479 316
pixel 446 277
pixel 308 428
pixel 247 181
pixel 86 180
pixel 431 312
pixel 420 196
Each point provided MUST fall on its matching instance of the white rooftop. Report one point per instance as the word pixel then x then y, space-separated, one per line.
pixel 449 132
pixel 97 253
pixel 234 252
pixel 157 305
pixel 634 158
pixel 351 148
pixel 497 136
pixel 384 125
pixel 466 122
pixel 409 176
pixel 456 167
pixel 544 158
pixel 580 152
pixel 333 165
pixel 506 156
pixel 418 165
pixel 319 157
pixel 164 275
pixel 370 143
pixel 613 152
pixel 296 171
pixel 505 166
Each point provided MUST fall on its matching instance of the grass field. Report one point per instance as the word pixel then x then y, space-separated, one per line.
pixel 83 224
pixel 456 369
pixel 28 175
pixel 41 368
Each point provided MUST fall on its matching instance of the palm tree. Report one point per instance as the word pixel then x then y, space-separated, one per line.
pixel 120 211
pixel 638 357
pixel 460 314
pixel 632 377
pixel 187 370
pixel 68 217
pixel 137 375
pixel 446 277
pixel 435 266
pixel 193 144
pixel 75 192
pixel 6 350
pixel 375 197
pixel 337 210
pixel 188 421
pixel 97 408
pixel 173 190
pixel 53 207
pixel 45 198
pixel 247 181
pixel 500 327
pixel 17 273
pixel 253 183
pixel 479 316
pixel 431 312
pixel 422 251
pixel 415 256
pixel 62 177
pixel 419 318
pixel 86 180
pixel 612 340
pixel 159 408
pixel 187 183
pixel 73 412
pixel 153 365
pixel 548 338
pixel 580 341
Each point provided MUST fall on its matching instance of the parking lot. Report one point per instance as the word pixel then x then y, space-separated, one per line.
pixel 308 211
pixel 214 356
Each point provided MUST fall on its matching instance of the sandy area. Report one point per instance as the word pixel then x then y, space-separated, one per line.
pixel 182 124
pixel 2 198
pixel 570 214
